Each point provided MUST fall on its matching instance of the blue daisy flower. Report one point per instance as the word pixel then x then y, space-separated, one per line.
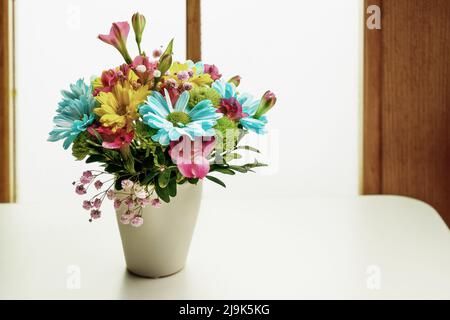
pixel 249 106
pixel 74 113
pixel 172 122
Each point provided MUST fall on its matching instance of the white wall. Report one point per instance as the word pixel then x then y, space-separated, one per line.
pixel 56 45
pixel 307 52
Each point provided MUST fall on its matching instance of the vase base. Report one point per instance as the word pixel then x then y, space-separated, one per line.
pixel 148 276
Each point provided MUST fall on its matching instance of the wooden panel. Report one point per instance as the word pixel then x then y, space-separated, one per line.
pixel 193 30
pixel 414 102
pixel 372 164
pixel 5 129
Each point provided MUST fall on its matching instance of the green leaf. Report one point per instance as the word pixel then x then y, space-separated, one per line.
pixel 239 169
pixel 163 194
pixel 192 181
pixel 95 158
pixel 172 187
pixel 248 148
pixel 225 171
pixel 150 176
pixel 216 180
pixel 256 164
pixel 113 168
pixel 164 178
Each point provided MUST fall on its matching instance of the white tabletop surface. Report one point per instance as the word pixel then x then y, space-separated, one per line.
pixel 376 247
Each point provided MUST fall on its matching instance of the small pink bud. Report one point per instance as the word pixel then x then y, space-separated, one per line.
pixel 110 194
pixel 97 203
pixel 125 218
pixel 117 204
pixel 183 75
pixel 137 221
pixel 79 189
pixel 156 203
pixel 157 53
pixel 129 202
pixel 98 184
pixel 87 205
pixel 187 86
pixel 96 214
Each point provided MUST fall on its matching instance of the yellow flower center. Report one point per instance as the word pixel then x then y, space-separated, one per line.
pixel 178 117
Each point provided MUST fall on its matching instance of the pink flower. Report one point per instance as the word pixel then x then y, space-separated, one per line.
pixel 129 202
pixel 126 217
pixel 190 156
pixel 98 184
pixel 110 194
pixel 143 202
pixel 127 184
pixel 117 37
pixel 97 203
pixel 86 177
pixel 140 192
pixel 96 214
pixel 137 221
pixel 117 204
pixel 156 203
pixel 87 205
pixel 113 140
pixel 79 189
pixel 144 68
pixel 231 108
pixel 213 71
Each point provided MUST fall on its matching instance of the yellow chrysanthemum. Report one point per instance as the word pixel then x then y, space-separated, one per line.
pixel 119 108
pixel 198 79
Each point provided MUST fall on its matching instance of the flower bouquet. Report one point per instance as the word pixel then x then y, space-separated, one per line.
pixel 154 126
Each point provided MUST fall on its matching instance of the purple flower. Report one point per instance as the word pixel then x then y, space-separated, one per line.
pixel 96 214
pixel 87 205
pixel 79 189
pixel 183 75
pixel 98 184
pixel 137 221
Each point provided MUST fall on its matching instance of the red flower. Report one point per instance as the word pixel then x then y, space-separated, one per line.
pixel 232 109
pixel 113 140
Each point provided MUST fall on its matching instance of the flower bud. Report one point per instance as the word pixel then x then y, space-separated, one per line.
pixel 138 22
pixel 236 80
pixel 267 102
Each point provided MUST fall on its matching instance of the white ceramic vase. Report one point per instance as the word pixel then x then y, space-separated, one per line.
pixel 160 246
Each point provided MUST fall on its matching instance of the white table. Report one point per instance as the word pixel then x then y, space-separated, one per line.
pixel 377 247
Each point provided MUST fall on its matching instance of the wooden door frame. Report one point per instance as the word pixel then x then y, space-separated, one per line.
pixel 7 158
pixel 372 113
